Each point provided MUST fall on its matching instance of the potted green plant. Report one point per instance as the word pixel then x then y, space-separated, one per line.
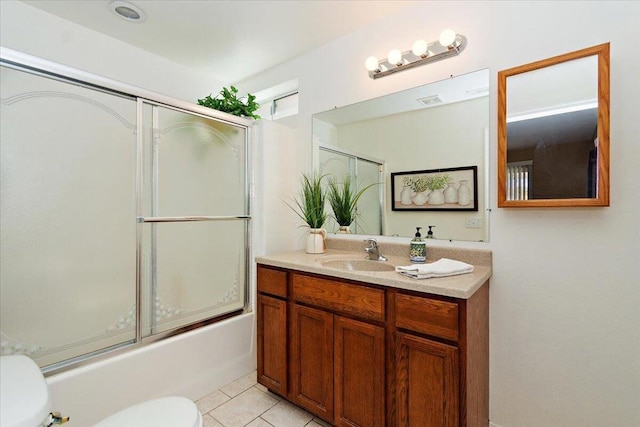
pixel 309 206
pixel 343 199
pixel 227 101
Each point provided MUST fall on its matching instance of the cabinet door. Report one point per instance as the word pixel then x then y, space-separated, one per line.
pixel 427 382
pixel 272 343
pixel 312 360
pixel 359 373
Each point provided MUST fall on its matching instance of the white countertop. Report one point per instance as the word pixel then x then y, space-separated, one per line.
pixel 460 286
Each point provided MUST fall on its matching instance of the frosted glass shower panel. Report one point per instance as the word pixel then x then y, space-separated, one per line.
pixel 369 219
pixel 198 167
pixel 338 165
pixel 195 271
pixel 67 218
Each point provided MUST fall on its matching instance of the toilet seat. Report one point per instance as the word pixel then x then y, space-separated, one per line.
pixel 163 412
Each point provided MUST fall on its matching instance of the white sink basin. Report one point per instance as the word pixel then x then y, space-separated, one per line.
pixel 357 265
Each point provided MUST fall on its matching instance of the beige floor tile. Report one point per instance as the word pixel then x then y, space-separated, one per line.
pixel 266 390
pixel 318 422
pixel 284 414
pixel 211 401
pixel 208 421
pixel 241 410
pixel 240 385
pixel 259 422
pixel 312 423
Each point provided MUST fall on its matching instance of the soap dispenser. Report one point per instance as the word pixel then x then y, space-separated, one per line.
pixel 430 232
pixel 418 252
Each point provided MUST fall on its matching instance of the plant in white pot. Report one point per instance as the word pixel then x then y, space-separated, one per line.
pixel 309 206
pixel 343 199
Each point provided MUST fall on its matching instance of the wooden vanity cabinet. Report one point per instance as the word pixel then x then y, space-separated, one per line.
pixel 360 355
pixel 427 356
pixel 337 342
pixel 272 330
pixel 311 362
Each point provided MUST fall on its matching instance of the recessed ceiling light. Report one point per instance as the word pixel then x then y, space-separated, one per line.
pixel 127 11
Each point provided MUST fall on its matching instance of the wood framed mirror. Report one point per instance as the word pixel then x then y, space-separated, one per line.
pixel 553 131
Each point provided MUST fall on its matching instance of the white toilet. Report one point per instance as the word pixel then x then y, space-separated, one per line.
pixel 25 402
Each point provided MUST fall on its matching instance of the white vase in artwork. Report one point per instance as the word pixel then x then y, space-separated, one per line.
pixel 420 198
pixel 450 193
pixel 316 241
pixel 464 194
pixel 405 195
pixel 436 197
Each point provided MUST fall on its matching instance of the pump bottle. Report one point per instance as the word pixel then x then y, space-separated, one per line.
pixel 418 253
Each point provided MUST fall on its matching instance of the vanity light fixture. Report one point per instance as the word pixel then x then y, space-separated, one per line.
pixel 127 11
pixel 449 44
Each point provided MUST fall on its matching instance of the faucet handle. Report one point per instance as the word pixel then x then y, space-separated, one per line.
pixel 56 418
pixel 371 242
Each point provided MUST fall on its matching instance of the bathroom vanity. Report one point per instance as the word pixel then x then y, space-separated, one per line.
pixel 357 344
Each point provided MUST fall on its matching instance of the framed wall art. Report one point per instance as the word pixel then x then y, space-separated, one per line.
pixel 451 189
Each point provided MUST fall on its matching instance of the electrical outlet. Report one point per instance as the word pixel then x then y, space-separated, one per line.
pixel 473 223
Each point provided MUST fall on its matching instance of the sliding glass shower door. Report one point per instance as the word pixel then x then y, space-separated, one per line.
pixel 195 213
pixel 122 220
pixel 67 218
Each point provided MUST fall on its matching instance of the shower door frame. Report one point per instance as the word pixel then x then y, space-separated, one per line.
pixel 154 219
pixel 52 70
pixel 358 157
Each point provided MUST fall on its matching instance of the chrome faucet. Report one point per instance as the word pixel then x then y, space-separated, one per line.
pixel 373 251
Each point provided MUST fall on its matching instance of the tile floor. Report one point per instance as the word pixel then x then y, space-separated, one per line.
pixel 244 402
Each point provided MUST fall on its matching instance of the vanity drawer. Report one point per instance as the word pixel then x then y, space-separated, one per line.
pixel 427 316
pixel 272 281
pixel 361 301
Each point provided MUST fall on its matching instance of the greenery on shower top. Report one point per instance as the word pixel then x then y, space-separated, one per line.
pixel 227 101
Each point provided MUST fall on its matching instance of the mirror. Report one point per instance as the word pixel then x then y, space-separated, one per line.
pixel 439 126
pixel 553 131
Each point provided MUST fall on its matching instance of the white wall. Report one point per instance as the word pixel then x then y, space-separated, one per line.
pixel 192 364
pixel 565 336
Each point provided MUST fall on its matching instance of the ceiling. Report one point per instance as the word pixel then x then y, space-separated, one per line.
pixel 230 40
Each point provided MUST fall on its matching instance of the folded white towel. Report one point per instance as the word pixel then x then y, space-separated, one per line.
pixel 441 268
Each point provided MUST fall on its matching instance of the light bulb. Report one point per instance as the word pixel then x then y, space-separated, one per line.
pixel 371 63
pixel 447 37
pixel 395 57
pixel 419 48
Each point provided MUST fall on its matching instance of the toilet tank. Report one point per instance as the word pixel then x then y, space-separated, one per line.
pixel 24 395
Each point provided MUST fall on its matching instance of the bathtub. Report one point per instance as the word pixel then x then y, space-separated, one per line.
pixel 192 364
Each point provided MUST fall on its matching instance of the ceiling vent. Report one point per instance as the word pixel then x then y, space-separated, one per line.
pixel 430 101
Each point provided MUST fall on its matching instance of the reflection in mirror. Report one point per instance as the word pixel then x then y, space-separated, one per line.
pixel 338 163
pixel 553 131
pixel 436 126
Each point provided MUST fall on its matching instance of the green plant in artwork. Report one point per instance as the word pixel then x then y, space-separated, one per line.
pixel 420 183
pixel 417 183
pixel 438 182
pixel 227 101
